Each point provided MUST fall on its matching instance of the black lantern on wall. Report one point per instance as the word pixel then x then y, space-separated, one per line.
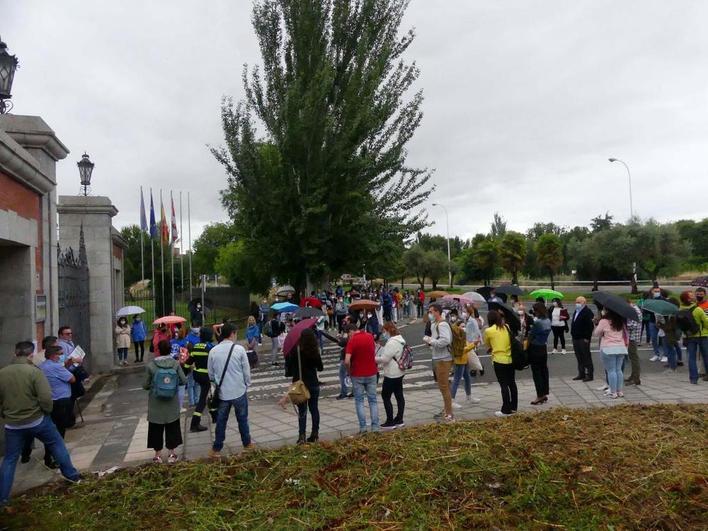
pixel 8 65
pixel 85 169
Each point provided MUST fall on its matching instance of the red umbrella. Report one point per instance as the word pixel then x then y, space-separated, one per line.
pixel 294 335
pixel 169 319
pixel 313 302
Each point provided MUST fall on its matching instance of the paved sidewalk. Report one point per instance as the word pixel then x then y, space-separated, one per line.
pixel 107 440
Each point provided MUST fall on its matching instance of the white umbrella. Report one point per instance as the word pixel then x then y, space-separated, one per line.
pixel 129 310
pixel 474 296
pixel 284 290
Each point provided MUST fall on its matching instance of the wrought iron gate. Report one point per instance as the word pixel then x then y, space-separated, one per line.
pixel 74 295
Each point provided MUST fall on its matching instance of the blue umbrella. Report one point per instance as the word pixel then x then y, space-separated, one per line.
pixel 284 307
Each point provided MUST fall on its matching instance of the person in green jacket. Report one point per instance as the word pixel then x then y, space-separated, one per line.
pixel 163 412
pixel 696 340
pixel 25 405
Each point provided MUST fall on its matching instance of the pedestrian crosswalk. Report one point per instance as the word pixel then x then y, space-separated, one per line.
pixel 269 381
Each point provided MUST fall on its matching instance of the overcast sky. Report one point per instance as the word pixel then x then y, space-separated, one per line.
pixel 524 102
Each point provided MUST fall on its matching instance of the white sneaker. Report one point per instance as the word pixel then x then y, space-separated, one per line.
pixel 554 351
pixel 455 405
pixel 654 358
pixel 607 392
pixel 663 359
pixel 603 387
pixel 473 399
pixel 563 351
pixel 500 414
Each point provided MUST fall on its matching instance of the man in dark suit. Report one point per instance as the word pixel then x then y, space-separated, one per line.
pixel 581 328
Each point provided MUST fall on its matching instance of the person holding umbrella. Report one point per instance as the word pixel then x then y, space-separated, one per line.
pixel 581 328
pixel 310 360
pixel 559 324
pixel 538 352
pixel 614 339
pixel 122 340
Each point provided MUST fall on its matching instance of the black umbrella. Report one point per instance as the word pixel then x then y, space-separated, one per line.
pixel 509 289
pixel 192 305
pixel 510 314
pixel 484 291
pixel 616 304
pixel 306 313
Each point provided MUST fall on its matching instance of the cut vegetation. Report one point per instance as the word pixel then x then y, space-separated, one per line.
pixel 634 467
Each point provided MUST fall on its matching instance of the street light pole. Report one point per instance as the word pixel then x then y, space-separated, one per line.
pixel 447 230
pixel 631 216
pixel 629 177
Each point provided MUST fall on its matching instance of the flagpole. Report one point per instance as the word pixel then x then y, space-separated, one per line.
pixel 162 251
pixel 181 246
pixel 172 250
pixel 142 216
pixel 189 232
pixel 152 257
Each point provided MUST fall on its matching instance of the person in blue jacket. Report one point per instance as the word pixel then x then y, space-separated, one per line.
pixel 138 334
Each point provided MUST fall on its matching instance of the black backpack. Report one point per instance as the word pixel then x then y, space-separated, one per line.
pixel 686 322
pixel 519 358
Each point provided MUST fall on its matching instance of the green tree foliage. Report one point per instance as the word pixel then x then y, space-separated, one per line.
pixel 485 259
pixel 696 233
pixel 436 242
pixel 512 253
pixel 131 256
pixel 550 254
pixel 600 223
pixel 662 249
pixel 329 173
pixel 240 268
pixel 498 227
pixel 437 266
pixel 416 264
pixel 213 238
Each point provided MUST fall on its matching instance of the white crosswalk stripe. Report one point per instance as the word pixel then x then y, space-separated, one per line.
pixel 268 381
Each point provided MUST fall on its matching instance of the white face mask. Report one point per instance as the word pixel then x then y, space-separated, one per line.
pixel 431 317
pixel 579 306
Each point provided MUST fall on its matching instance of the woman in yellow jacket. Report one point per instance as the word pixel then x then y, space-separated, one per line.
pixel 497 340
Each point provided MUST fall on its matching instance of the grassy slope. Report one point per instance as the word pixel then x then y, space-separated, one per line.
pixel 630 467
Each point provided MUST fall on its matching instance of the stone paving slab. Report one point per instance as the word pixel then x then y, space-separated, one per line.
pixel 104 440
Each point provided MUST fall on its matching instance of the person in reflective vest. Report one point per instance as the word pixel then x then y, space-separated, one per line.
pixel 198 357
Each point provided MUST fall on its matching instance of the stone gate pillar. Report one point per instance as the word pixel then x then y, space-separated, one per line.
pixel 94 214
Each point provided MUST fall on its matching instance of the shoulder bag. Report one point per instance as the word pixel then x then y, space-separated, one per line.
pixel 215 399
pixel 298 392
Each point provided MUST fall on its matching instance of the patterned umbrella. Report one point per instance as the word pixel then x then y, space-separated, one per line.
pixel 700 282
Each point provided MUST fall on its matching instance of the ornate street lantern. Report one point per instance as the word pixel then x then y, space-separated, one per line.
pixel 85 169
pixel 8 65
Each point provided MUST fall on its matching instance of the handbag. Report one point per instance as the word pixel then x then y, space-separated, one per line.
pixel 473 361
pixel 298 392
pixel 519 357
pixel 215 399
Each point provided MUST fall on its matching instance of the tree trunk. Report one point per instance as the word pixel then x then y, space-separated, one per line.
pixel 514 278
pixel 553 284
pixel 594 284
pixel 435 283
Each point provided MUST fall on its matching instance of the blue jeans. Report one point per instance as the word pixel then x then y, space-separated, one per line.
pixel 366 385
pixel 654 335
pixel 693 346
pixel 613 366
pixel 672 351
pixel 15 440
pixel 240 406
pixel 193 389
pixel 461 372
pixel 343 375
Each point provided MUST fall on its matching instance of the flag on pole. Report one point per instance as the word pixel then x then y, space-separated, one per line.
pixel 175 236
pixel 164 231
pixel 143 220
pixel 153 225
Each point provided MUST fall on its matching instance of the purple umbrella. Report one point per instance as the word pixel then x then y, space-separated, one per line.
pixel 293 336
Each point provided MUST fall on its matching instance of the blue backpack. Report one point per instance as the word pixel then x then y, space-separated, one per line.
pixel 165 382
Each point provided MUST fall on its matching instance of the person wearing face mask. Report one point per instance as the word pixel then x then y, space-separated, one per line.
pixel 372 324
pixel 440 342
pixel 701 300
pixel 138 334
pixel 387 357
pixel 693 322
pixel 581 329
pixel 340 312
pixel 559 325
pixel 122 340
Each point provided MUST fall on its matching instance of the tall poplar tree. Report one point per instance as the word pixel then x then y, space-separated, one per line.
pixel 316 152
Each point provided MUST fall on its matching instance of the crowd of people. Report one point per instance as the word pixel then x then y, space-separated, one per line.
pixel 207 366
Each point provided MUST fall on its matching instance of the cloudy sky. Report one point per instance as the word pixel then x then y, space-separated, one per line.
pixel 524 102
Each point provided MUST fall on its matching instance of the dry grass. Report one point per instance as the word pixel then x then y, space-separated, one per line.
pixel 629 467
